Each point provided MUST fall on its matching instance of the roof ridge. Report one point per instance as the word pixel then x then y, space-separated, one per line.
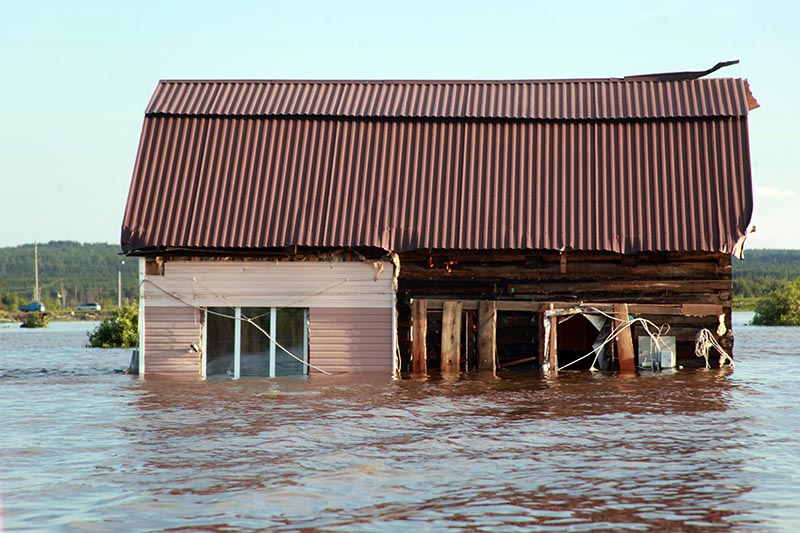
pixel 514 100
pixel 435 81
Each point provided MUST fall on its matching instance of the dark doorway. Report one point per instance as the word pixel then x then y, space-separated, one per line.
pixel 576 335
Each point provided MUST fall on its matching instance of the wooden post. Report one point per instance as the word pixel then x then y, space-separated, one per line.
pixel 624 341
pixel 553 348
pixel 540 327
pixel 487 335
pixel 419 322
pixel 451 336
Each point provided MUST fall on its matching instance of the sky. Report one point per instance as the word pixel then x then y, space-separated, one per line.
pixel 75 78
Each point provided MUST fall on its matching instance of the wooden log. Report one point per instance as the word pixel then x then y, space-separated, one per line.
pixel 501 305
pixel 518 362
pixel 419 323
pixel 451 336
pixel 701 309
pixel 520 271
pixel 624 340
pixel 487 335
pixel 623 286
pixel 554 256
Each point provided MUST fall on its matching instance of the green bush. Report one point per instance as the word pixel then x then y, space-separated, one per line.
pixel 35 320
pixel 122 331
pixel 781 307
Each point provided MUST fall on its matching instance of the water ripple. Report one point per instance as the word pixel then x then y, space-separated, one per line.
pixel 86 449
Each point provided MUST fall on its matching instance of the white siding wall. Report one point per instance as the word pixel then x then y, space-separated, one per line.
pixel 350 322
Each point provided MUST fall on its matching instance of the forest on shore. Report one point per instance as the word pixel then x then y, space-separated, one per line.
pixel 761 273
pixel 71 273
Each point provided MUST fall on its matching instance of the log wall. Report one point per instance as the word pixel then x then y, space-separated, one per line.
pixel 687 291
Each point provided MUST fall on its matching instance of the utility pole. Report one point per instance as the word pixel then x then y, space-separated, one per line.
pixel 119 285
pixel 36 272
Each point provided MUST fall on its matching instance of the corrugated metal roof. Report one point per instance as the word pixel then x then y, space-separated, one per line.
pixel 609 99
pixel 225 170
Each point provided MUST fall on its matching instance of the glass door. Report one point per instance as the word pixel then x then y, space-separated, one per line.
pixel 237 341
pixel 255 350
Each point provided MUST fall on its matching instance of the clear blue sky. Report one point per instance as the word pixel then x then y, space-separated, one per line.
pixel 75 78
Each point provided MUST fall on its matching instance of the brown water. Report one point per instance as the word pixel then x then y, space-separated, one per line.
pixel 83 448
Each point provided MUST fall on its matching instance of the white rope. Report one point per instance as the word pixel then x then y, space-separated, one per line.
pixel 243 319
pixel 703 343
pixel 646 324
pixel 267 335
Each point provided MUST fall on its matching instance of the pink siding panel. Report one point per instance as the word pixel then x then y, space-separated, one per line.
pixel 169 333
pixel 351 340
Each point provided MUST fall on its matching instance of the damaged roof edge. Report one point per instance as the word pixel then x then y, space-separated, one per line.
pixel 488 99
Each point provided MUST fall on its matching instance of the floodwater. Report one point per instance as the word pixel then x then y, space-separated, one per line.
pixel 85 448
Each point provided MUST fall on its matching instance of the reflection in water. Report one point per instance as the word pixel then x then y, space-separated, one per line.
pixel 696 450
pixel 476 452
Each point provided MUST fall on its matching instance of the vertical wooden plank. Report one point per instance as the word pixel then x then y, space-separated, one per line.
pixel 624 341
pixel 542 341
pixel 451 336
pixel 419 323
pixel 553 348
pixel 487 335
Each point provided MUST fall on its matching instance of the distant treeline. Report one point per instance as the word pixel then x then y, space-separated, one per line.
pixel 762 271
pixel 78 272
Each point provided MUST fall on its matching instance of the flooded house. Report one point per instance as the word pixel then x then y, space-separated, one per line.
pixel 303 227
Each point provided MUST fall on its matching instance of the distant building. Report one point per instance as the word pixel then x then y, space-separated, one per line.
pixel 380 226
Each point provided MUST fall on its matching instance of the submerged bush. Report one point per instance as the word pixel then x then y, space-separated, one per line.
pixel 781 307
pixel 122 331
pixel 35 320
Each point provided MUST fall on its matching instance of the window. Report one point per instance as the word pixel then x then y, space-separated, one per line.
pixel 237 341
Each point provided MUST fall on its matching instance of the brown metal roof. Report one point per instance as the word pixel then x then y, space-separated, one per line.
pixel 543 100
pixel 252 165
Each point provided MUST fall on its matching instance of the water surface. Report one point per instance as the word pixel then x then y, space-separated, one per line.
pixel 85 448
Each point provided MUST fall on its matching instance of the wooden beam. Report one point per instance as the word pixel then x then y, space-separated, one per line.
pixel 680 309
pixel 502 305
pixel 451 336
pixel 701 310
pixel 517 306
pixel 624 340
pixel 419 323
pixel 685 309
pixel 553 349
pixel 487 335
pixel 518 362
pixel 467 305
pixel 639 284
